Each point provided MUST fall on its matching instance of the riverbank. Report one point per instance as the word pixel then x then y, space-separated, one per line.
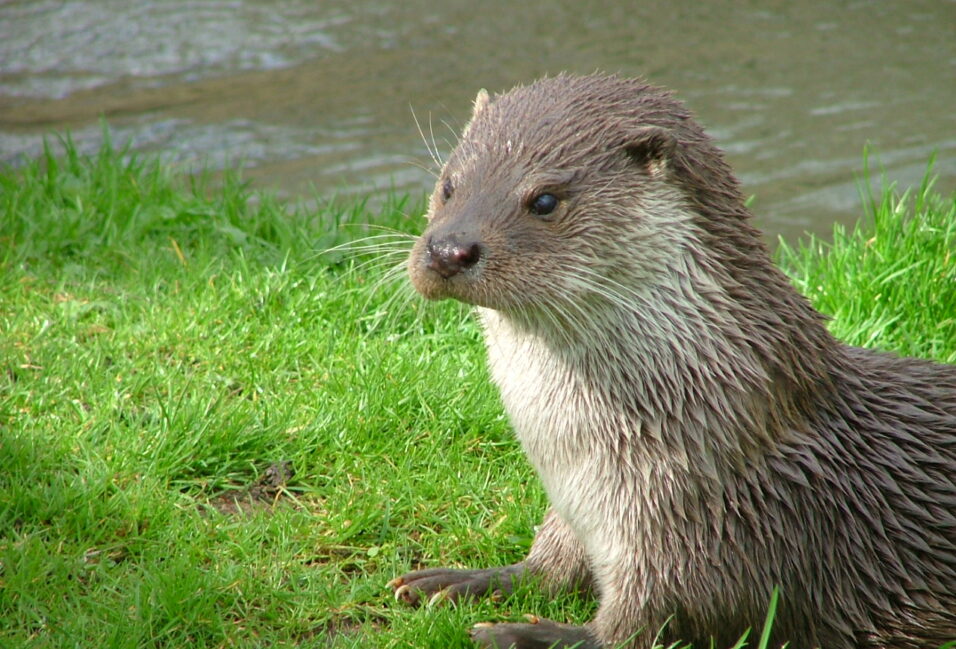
pixel 214 435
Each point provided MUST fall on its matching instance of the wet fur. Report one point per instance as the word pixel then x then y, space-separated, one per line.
pixel 701 436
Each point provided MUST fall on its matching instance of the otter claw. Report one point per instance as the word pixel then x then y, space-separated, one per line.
pixel 400 592
pixel 395 583
pixel 483 625
pixel 532 619
pixel 438 598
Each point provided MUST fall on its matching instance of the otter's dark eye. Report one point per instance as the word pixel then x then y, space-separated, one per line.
pixel 447 189
pixel 543 204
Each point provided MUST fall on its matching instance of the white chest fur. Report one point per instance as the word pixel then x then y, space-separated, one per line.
pixel 554 416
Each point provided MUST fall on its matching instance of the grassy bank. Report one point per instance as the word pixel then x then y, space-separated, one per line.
pixel 212 436
pixel 890 280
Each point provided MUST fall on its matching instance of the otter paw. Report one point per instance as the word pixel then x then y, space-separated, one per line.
pixel 538 633
pixel 436 585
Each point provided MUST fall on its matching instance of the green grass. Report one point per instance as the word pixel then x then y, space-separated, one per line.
pixel 165 346
pixel 890 281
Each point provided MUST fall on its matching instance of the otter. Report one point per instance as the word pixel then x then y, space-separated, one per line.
pixel 701 436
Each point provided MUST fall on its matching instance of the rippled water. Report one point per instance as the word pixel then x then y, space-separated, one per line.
pixel 321 95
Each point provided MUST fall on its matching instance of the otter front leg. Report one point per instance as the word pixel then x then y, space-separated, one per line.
pixel 537 634
pixel 556 557
pixel 439 584
pixel 620 622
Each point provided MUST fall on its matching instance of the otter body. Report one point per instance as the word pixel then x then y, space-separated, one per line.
pixel 700 435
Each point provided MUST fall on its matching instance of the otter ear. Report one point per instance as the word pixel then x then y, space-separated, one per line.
pixel 652 147
pixel 481 102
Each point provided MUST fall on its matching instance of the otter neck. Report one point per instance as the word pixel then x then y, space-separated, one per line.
pixel 706 382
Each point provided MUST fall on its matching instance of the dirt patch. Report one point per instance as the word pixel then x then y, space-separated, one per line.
pixel 265 493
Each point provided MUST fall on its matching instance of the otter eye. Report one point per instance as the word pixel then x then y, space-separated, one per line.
pixel 543 204
pixel 447 189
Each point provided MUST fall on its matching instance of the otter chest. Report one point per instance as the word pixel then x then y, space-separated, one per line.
pixel 567 429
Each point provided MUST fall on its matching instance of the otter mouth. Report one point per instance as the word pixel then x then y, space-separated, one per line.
pixel 436 288
pixel 433 286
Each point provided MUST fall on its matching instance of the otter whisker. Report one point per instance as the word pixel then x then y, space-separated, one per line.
pixel 431 133
pixel 373 243
pixel 391 280
pixel 412 162
pixel 366 246
pixel 433 153
pixel 381 263
pixel 455 138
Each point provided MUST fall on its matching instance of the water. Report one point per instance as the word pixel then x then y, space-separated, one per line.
pixel 316 98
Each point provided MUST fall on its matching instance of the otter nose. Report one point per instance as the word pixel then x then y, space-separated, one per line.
pixel 449 256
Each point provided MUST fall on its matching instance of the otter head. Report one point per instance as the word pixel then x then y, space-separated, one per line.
pixel 594 211
pixel 560 191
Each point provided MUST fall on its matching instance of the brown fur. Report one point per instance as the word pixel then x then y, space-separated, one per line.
pixel 701 435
